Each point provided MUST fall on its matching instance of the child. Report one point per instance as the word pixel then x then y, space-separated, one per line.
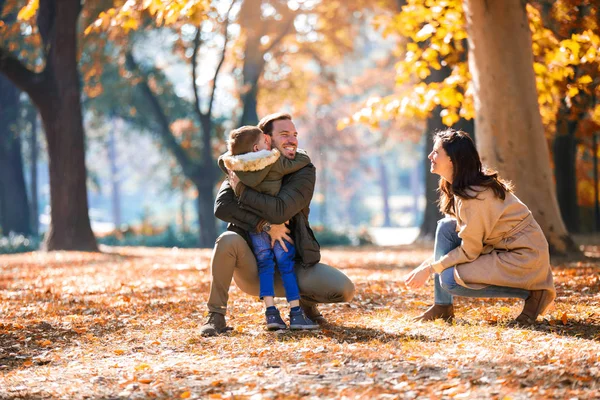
pixel 261 168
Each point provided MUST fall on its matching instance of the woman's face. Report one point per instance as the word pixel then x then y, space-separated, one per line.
pixel 440 162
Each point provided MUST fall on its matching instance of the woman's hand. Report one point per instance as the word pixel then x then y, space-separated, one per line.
pixel 418 276
pixel 280 232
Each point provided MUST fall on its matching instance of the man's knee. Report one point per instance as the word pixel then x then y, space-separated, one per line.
pixel 344 291
pixel 230 244
pixel 447 280
pixel 347 293
pixel 229 239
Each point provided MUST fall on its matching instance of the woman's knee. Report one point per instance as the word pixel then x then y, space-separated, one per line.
pixel 445 226
pixel 447 280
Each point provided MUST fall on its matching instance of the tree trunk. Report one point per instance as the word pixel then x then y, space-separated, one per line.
pixel 206 186
pixel 251 72
pixel 33 192
pixel 114 173
pixel 510 135
pixel 14 208
pixel 565 173
pixel 60 109
pixel 206 220
pixel 385 193
pixel 432 213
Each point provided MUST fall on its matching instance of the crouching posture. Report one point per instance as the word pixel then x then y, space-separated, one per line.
pixel 490 245
pixel 248 210
pixel 257 166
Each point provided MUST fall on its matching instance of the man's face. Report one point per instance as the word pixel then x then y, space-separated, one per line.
pixel 285 138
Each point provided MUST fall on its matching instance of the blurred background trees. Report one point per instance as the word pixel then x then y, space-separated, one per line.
pixel 137 100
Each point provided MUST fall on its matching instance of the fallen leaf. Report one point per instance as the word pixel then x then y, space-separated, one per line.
pixel 142 367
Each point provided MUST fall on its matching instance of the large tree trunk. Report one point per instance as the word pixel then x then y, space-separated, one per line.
pixel 70 227
pixel 251 72
pixel 206 188
pixel 509 126
pixel 206 220
pixel 565 161
pixel 14 208
pixel 55 92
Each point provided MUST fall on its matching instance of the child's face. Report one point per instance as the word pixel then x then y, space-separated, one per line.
pixel 264 143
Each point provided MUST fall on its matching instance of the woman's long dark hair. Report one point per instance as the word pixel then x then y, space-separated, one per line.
pixel 467 171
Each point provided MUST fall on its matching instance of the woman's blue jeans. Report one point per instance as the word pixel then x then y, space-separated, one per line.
pixel 445 287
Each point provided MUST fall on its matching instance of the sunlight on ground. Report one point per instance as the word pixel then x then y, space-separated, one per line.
pixel 124 324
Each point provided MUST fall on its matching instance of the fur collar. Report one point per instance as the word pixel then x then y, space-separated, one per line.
pixel 253 161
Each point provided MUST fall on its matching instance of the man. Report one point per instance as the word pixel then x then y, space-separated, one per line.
pixel 249 210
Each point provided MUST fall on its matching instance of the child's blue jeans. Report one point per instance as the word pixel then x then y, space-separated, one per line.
pixel 266 258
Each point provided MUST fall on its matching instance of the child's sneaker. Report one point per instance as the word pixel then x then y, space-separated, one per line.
pixel 298 321
pixel 274 321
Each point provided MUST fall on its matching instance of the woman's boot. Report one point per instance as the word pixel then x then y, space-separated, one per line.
pixel 436 311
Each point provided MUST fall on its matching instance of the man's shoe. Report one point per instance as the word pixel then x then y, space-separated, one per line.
pixel 299 321
pixel 214 325
pixel 313 313
pixel 532 308
pixel 437 311
pixel 274 321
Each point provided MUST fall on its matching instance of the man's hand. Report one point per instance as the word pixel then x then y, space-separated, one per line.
pixel 418 276
pixel 234 181
pixel 278 233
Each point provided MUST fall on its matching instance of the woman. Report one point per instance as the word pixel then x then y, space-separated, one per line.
pixel 489 245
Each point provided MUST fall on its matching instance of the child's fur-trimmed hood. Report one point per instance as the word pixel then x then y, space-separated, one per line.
pixel 253 161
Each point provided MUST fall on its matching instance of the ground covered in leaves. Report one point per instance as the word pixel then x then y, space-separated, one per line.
pixel 124 324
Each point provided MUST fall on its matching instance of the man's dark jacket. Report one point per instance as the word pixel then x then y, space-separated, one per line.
pixel 291 204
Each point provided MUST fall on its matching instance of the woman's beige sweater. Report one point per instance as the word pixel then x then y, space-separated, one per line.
pixel 502 245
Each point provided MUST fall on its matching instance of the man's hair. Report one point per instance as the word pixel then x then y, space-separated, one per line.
pixel 266 124
pixel 242 140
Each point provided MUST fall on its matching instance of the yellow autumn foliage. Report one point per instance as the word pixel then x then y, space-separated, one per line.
pixel 437 33
pixel 28 11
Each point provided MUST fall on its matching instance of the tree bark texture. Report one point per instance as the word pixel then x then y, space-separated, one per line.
pixel 434 123
pixel 254 62
pixel 33 156
pixel 432 213
pixel 510 135
pixel 206 187
pixel 58 100
pixel 14 207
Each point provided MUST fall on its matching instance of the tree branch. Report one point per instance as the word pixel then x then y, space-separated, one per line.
pixel 282 33
pixel 165 130
pixel 22 77
pixel 197 45
pixel 218 69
